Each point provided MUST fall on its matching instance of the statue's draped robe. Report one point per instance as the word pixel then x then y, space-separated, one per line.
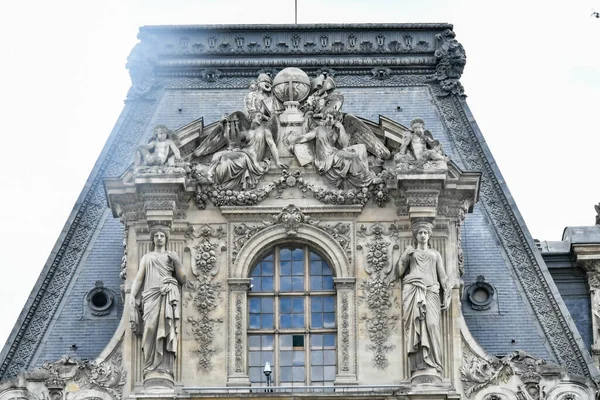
pixel 346 168
pixel 161 312
pixel 422 307
pixel 241 168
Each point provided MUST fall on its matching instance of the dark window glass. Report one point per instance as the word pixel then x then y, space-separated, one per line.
pixel 303 282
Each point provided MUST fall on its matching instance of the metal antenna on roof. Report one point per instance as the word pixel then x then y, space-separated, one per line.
pixel 296 12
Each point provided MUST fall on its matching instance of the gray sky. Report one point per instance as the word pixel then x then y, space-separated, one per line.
pixel 532 77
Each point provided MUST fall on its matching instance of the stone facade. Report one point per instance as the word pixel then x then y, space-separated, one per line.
pixel 243 146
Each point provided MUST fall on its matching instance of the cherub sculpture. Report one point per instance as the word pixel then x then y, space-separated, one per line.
pixel 161 150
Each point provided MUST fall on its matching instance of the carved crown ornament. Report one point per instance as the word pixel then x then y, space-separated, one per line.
pixel 292 136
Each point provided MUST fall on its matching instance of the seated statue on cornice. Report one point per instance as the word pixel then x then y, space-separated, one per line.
pixel 161 150
pixel 420 151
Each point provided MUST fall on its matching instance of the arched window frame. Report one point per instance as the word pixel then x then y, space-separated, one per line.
pixel 239 284
pixel 300 346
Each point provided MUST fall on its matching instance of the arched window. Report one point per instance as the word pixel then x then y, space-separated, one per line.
pixel 291 320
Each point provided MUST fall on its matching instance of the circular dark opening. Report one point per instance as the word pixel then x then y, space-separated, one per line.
pixel 480 296
pixel 99 300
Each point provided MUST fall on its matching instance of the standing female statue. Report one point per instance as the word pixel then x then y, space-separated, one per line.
pixel 158 279
pixel 424 278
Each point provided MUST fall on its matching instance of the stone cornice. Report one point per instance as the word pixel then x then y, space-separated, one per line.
pixel 293 27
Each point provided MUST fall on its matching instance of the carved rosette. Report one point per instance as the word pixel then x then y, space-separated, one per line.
pixel 381 320
pixel 205 293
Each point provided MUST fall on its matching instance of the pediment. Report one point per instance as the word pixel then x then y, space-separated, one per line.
pixel 292 140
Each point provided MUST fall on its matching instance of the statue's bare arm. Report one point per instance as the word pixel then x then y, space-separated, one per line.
pixel 175 150
pixel 138 281
pixel 444 282
pixel 273 148
pixel 307 137
pixel 344 138
pixel 179 273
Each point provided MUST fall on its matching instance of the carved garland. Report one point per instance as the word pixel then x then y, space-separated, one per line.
pixel 377 192
pixel 377 294
pixel 206 294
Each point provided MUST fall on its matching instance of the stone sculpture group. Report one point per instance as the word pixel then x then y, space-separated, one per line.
pixel 299 120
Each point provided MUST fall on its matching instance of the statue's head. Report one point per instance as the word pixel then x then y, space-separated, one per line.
pixel 161 133
pixel 159 234
pixel 417 125
pixel 422 231
pixel 264 82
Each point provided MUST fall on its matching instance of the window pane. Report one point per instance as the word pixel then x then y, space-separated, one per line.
pixel 327 283
pixel 285 321
pixel 316 304
pixel 266 304
pixel 286 341
pixel 298 374
pixel 327 269
pixel 329 341
pixel 254 321
pixel 298 321
pixel 298 305
pixel 254 304
pixel 316 357
pixel 298 358
pixel 266 284
pixel 267 321
pixel 298 254
pixel 267 342
pixel 329 304
pixel 286 267
pixel 286 373
pixel 329 373
pixel 255 271
pixel 267 268
pixel 316 268
pixel 314 256
pixel 298 284
pixel 316 320
pixel 285 254
pixel 329 357
pixel 298 341
pixel 316 341
pixel 255 374
pixel 285 358
pixel 298 268
pixel 316 373
pixel 254 358
pixel 316 283
pixel 285 284
pixel 285 305
pixel 254 341
pixel 329 320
